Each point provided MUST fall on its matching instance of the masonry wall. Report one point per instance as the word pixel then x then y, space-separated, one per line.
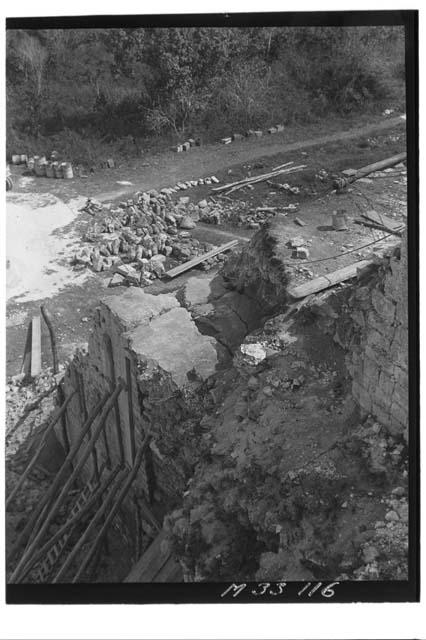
pixel 369 320
pixel 152 344
pixel 379 364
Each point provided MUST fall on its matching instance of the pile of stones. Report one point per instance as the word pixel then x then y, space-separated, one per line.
pixel 237 214
pixel 140 237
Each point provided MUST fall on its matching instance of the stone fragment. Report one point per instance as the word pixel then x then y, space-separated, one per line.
pixel 253 383
pixel 369 554
pixel 297 242
pixel 392 516
pixel 117 280
pixel 203 204
pixel 253 353
pixel 187 223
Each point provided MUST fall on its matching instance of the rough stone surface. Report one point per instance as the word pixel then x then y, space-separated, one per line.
pixel 174 342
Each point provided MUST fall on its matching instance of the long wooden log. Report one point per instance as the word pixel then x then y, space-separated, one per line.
pixel 172 273
pixel 58 502
pixel 117 504
pixel 71 523
pixel 35 346
pixel 42 442
pixel 91 527
pixel 48 321
pixel 26 360
pixel 378 166
pixel 250 179
pixel 341 183
pixel 266 177
pixel 331 279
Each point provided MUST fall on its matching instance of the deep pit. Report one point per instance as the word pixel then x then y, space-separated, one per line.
pixel 278 432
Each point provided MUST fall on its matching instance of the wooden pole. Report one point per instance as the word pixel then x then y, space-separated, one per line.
pixel 85 454
pixel 26 360
pixel 117 504
pixel 42 442
pixel 35 346
pixel 70 524
pixel 48 321
pixel 93 523
pixel 30 526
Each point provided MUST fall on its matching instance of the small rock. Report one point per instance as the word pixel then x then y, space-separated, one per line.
pixel 267 391
pixel 392 516
pixel 253 383
pixel 187 223
pixel 253 352
pixel 370 554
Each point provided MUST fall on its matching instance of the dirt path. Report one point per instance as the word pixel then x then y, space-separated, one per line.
pixel 204 161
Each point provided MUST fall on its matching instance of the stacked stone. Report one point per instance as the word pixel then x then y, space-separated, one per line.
pixel 143 232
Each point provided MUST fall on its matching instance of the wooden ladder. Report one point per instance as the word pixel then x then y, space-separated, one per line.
pixel 53 554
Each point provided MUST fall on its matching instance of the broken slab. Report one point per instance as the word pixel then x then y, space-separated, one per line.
pixel 134 307
pixel 173 342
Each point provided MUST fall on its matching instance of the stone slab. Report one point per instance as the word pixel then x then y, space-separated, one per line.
pixel 174 342
pixel 134 307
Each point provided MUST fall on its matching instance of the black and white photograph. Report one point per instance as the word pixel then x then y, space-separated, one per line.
pixel 212 308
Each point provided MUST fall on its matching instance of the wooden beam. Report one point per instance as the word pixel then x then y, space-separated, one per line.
pixel 331 279
pixel 172 273
pixel 26 360
pixel 383 221
pixel 35 346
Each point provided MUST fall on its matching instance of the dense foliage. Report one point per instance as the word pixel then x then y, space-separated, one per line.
pixel 84 87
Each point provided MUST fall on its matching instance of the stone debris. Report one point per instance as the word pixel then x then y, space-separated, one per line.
pixel 135 239
pixel 253 353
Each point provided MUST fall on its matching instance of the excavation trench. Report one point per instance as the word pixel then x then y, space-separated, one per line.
pixel 225 386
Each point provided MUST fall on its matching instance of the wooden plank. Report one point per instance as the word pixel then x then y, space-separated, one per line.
pixel 172 273
pixel 331 279
pixel 35 346
pixel 156 564
pixel 383 221
pixel 373 225
pixel 26 360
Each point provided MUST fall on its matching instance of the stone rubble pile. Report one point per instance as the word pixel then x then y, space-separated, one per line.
pixel 139 238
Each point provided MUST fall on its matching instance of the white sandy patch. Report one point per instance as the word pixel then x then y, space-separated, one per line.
pixel 125 182
pixel 37 252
